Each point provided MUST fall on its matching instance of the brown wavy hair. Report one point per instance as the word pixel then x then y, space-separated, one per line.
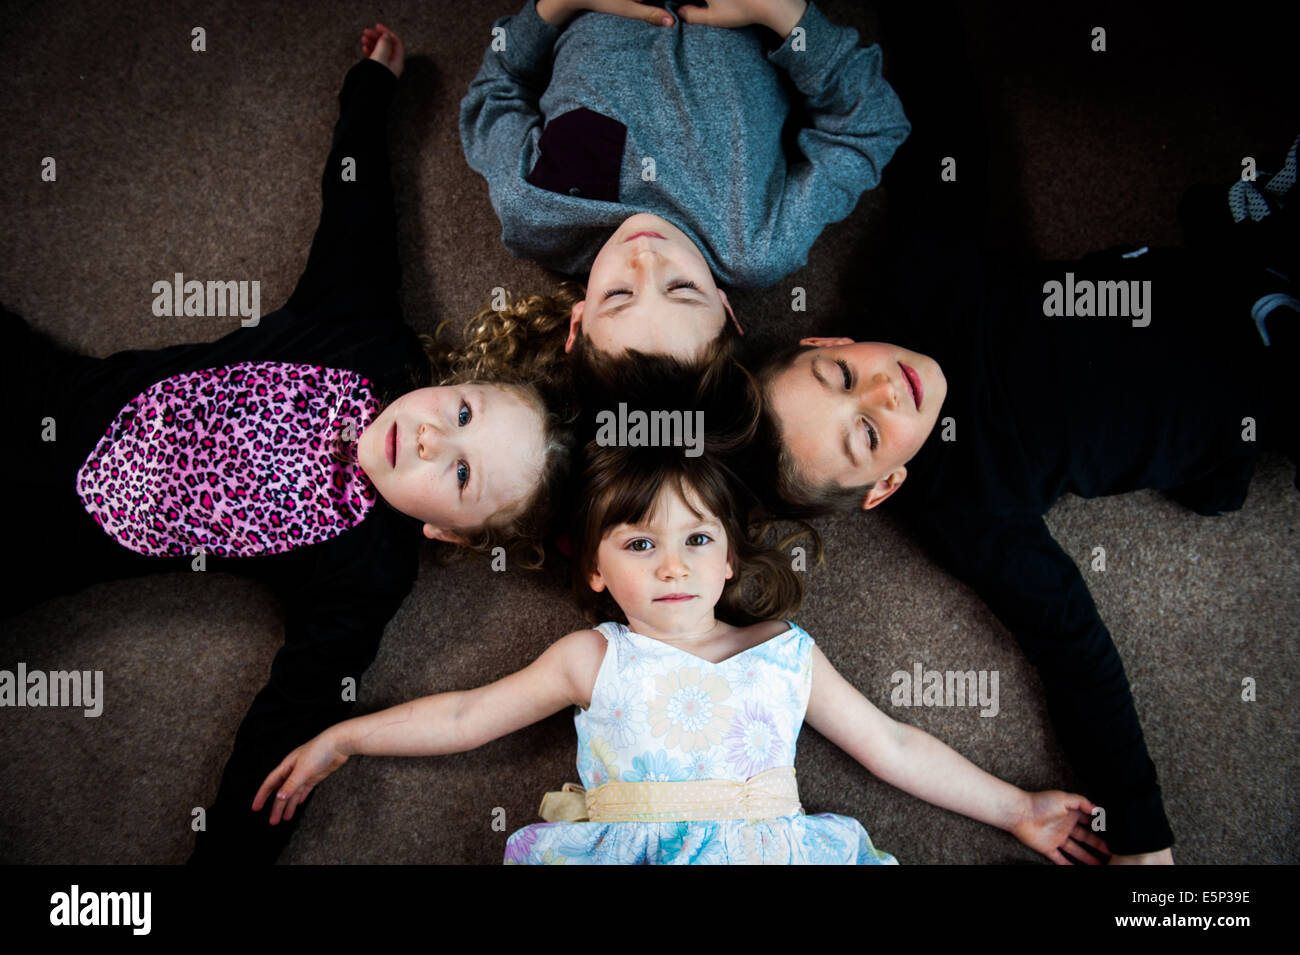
pixel 620 485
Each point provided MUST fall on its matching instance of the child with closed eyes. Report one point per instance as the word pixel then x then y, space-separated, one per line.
pixel 643 149
pixel 687 722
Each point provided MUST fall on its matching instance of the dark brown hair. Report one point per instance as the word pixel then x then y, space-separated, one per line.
pixel 621 485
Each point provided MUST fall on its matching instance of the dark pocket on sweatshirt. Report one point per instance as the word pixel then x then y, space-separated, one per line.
pixel 581 155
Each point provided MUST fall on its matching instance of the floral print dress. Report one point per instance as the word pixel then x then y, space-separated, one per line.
pixel 660 714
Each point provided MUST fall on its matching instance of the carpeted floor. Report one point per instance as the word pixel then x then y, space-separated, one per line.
pixel 207 163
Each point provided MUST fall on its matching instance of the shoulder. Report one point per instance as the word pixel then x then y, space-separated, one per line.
pixel 583 642
pixel 774 628
pixel 581 655
pixel 759 633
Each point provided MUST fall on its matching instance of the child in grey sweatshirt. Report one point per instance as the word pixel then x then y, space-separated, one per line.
pixel 578 126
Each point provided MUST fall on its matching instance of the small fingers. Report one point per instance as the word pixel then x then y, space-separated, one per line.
pixel 295 801
pixel 636 10
pixel 704 16
pixel 1079 853
pixel 273 779
pixel 277 809
pixel 1088 837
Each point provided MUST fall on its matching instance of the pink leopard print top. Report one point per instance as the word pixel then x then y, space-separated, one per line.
pixel 246 460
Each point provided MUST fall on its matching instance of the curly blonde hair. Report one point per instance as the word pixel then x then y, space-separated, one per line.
pixel 518 347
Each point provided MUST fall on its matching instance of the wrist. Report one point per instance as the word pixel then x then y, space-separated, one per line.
pixel 341 739
pixel 1019 810
pixel 785 17
pixel 556 12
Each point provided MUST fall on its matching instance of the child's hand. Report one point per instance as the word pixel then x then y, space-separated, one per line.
pixel 384 46
pixel 780 16
pixel 303 768
pixel 1054 821
pixel 559 12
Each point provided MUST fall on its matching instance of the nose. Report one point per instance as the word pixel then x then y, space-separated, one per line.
pixel 671 565
pixel 880 391
pixel 426 440
pixel 645 259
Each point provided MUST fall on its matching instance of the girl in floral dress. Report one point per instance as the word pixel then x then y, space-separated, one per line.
pixel 687 723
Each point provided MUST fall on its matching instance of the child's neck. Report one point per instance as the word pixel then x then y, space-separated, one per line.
pixel 716 643
pixel 693 632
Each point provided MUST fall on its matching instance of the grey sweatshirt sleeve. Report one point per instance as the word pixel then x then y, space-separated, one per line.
pixel 500 125
pixel 500 112
pixel 856 124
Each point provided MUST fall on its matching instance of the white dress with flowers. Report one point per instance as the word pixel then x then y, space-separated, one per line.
pixel 660 714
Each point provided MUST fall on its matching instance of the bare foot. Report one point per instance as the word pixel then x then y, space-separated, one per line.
pixel 382 45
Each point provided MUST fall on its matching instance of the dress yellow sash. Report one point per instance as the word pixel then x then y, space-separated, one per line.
pixel 769 794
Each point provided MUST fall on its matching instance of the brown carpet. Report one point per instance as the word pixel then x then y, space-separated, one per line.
pixel 208 164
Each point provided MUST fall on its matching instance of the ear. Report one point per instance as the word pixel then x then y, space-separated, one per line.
pixel 437 533
pixel 726 303
pixel 884 487
pixel 575 320
pixel 730 573
pixel 595 581
pixel 825 342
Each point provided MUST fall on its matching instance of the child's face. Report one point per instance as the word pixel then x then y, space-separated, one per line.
pixel 667 573
pixel 650 290
pixel 856 412
pixel 454 456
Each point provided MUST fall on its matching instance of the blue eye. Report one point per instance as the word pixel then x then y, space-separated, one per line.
pixel 465 414
pixel 698 540
pixel 462 473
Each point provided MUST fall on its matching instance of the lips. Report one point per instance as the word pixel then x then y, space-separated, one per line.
pixel 390 445
pixel 637 235
pixel 913 381
pixel 674 598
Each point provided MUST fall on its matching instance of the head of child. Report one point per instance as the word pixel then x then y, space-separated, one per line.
pixel 479 459
pixel 843 418
pixel 663 535
pixel 650 292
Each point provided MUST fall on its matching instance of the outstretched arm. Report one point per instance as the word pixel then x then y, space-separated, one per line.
pixel 1053 823
pixel 445 723
pixel 1036 590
